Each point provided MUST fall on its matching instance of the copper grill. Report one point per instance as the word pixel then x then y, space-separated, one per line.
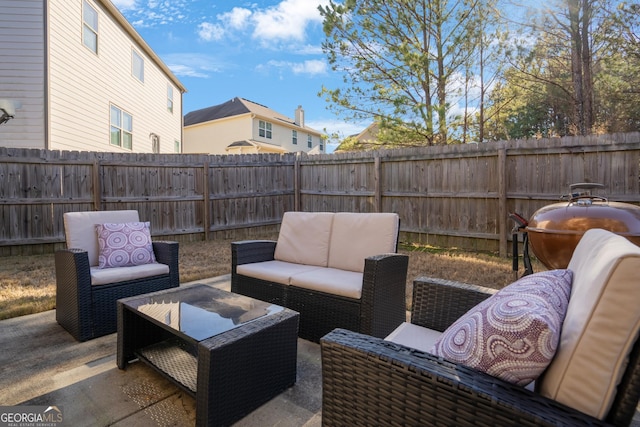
pixel 554 230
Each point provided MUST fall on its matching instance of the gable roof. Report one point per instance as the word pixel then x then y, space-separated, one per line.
pixel 238 106
pixel 234 107
pixel 365 140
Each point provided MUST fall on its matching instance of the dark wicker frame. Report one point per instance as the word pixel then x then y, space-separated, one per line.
pixel 381 308
pixel 87 311
pixel 235 372
pixel 369 381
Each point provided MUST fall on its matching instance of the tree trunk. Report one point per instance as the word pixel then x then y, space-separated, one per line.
pixel 482 94
pixel 426 84
pixel 576 65
pixel 587 76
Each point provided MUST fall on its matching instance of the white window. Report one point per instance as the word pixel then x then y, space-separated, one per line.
pixel 294 137
pixel 176 146
pixel 121 133
pixel 137 65
pixel 264 129
pixel 170 98
pixel 89 27
pixel 309 141
pixel 321 145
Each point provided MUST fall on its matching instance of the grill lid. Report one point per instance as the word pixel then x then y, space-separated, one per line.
pixel 554 230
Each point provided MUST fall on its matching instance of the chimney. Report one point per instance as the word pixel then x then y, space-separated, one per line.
pixel 299 117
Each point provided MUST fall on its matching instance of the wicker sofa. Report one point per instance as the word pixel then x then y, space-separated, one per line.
pixel 594 378
pixel 335 269
pixel 85 294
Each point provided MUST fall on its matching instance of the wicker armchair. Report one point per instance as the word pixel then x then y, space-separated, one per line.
pixel 372 381
pixel 88 310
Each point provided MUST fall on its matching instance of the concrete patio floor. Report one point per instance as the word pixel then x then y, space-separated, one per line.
pixel 41 364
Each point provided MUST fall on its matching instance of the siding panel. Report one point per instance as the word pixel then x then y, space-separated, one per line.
pixel 82 89
pixel 22 71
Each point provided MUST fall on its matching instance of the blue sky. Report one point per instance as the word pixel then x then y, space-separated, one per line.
pixel 267 51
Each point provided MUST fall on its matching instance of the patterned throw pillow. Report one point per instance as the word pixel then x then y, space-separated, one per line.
pixel 514 334
pixel 123 245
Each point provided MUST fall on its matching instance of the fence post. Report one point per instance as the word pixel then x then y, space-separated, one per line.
pixel 97 187
pixel 377 175
pixel 502 200
pixel 296 183
pixel 205 198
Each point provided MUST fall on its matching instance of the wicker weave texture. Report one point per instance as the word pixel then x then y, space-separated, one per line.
pixel 234 372
pixel 245 368
pixel 369 381
pixel 380 309
pixel 168 356
pixel 437 303
pixel 88 311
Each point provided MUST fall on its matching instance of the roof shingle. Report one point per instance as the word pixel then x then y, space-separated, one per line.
pixel 235 107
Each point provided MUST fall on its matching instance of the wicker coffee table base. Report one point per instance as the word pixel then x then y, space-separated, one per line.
pixel 230 374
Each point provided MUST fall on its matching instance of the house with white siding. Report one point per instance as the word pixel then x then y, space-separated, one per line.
pixel 85 80
pixel 240 126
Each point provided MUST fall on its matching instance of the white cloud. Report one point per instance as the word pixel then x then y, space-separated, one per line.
pixel 208 31
pixel 193 64
pixel 236 19
pixel 335 126
pixel 182 70
pixel 310 67
pixel 124 4
pixel 286 21
pixel 306 50
pixel 150 13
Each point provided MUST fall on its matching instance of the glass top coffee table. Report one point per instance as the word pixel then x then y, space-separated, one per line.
pixel 231 352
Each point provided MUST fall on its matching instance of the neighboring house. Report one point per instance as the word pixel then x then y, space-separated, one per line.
pixel 85 80
pixel 365 140
pixel 240 126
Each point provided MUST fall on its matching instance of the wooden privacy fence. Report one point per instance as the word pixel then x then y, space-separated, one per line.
pixel 457 195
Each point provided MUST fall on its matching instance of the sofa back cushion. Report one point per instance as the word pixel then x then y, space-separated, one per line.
pixel 356 236
pixel 601 324
pixel 304 238
pixel 80 228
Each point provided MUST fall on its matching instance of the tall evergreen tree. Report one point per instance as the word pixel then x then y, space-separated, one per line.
pixel 398 58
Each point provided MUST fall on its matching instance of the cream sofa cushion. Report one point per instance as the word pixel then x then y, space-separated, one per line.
pixel 104 276
pixel 304 238
pixel 601 324
pixel 414 336
pixel 274 271
pixel 80 228
pixel 332 281
pixel 356 236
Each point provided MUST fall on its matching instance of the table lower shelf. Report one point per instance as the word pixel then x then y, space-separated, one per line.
pixel 172 359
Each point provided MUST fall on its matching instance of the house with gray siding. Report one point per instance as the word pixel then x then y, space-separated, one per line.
pixel 84 79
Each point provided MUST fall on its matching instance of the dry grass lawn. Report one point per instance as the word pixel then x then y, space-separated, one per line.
pixel 27 283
